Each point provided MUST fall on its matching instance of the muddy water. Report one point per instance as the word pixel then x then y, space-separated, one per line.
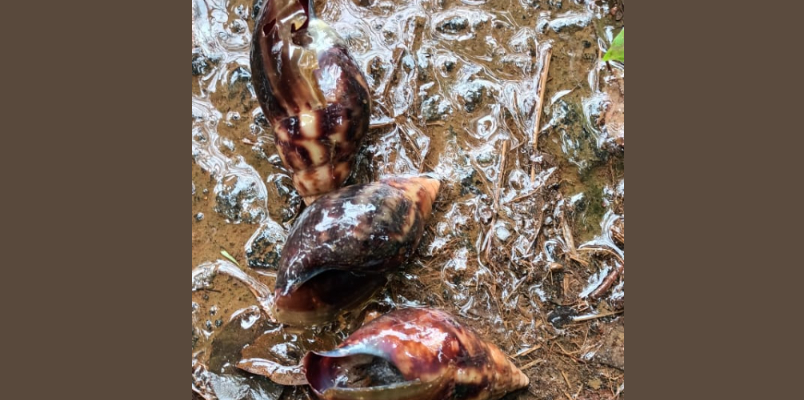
pixel 526 242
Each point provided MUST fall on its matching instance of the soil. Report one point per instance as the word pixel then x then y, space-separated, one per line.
pixel 526 241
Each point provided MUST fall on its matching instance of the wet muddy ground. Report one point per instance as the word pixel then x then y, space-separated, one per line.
pixel 526 242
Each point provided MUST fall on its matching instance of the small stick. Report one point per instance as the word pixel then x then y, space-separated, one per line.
pixel 565 379
pixel 505 145
pixel 412 142
pixel 619 237
pixel 607 282
pixel 516 287
pixel 568 384
pixel 566 285
pixel 524 196
pixel 571 243
pixel 563 350
pixel 618 234
pixel 542 86
pixel 496 198
pixel 619 390
pixel 530 364
pixel 528 351
pixel 488 239
pixel 533 241
pixel 383 124
pixel 595 316
pixel 579 261
pixel 397 62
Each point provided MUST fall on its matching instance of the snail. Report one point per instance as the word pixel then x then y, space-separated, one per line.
pixel 342 247
pixel 313 94
pixel 408 354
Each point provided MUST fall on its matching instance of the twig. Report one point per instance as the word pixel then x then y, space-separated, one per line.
pixel 528 351
pixel 412 142
pixel 571 243
pixel 515 288
pixel 618 237
pixel 397 62
pixel 539 109
pixel 607 282
pixel 618 232
pixel 566 380
pixel 565 350
pixel 500 175
pixel 383 124
pixel 619 390
pixel 524 196
pixel 595 316
pixel 539 222
pixel 568 385
pixel 505 145
pixel 530 364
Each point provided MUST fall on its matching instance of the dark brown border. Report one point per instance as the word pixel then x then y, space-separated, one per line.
pixel 689 301
pixel 96 201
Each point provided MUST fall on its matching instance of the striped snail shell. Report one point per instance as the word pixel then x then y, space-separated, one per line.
pixel 312 92
pixel 413 354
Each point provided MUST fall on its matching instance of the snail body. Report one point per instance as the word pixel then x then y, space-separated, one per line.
pixel 342 248
pixel 413 354
pixel 312 92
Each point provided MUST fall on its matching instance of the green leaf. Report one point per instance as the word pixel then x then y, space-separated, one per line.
pixel 617 50
pixel 229 256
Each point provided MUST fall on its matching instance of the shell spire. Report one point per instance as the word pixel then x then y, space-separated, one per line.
pixel 413 354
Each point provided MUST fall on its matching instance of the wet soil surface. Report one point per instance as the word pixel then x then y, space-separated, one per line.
pixel 526 241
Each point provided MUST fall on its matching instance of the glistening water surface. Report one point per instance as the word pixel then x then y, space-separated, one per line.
pixel 526 241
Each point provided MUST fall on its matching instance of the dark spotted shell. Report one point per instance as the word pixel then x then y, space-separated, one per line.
pixel 312 92
pixel 431 357
pixel 342 247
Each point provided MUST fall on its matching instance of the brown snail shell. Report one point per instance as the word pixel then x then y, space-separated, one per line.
pixel 312 92
pixel 413 354
pixel 343 246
